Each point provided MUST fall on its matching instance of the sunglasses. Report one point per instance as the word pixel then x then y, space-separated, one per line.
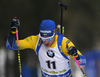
pixel 48 38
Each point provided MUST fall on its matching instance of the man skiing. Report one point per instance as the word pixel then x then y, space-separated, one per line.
pixel 53 49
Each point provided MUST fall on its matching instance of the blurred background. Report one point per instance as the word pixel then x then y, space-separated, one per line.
pixel 81 22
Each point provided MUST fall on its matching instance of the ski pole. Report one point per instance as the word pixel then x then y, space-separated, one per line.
pixel 77 63
pixel 80 67
pixel 19 61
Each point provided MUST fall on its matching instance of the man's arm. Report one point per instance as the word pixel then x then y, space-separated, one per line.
pixel 11 44
pixel 72 51
pixel 29 42
pixel 80 58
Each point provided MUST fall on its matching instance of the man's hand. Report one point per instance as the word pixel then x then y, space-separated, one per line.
pixel 14 24
pixel 72 51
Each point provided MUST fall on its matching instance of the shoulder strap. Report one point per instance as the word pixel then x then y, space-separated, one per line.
pixel 38 45
pixel 60 38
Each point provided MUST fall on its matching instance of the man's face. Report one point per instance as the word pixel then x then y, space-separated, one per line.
pixel 49 43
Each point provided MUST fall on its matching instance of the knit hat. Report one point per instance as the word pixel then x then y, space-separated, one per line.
pixel 47 28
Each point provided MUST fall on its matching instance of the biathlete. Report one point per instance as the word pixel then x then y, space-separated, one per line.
pixel 50 48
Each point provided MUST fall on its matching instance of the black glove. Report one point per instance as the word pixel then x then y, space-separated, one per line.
pixel 72 51
pixel 14 24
